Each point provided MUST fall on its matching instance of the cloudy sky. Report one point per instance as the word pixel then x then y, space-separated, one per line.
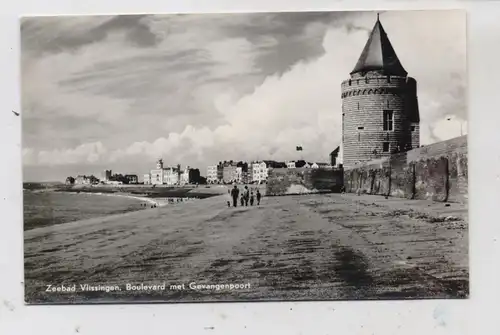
pixel 121 91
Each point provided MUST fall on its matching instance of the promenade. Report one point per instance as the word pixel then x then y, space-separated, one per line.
pixel 308 247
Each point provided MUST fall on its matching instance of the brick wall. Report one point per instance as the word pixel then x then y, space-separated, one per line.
pixel 363 103
pixel 437 172
pixel 303 180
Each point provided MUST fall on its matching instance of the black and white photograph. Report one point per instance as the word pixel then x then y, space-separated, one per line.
pixel 245 157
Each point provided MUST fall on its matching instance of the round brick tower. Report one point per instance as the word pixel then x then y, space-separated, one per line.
pixel 379 104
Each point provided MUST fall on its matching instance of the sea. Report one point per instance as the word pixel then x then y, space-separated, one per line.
pixel 50 207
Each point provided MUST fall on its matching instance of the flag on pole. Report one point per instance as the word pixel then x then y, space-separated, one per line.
pixel 298 148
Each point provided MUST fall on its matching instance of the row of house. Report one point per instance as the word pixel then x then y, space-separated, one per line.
pixel 171 175
pixel 85 180
pixel 255 172
pixel 107 177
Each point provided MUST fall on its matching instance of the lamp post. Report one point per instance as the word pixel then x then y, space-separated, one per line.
pixel 461 124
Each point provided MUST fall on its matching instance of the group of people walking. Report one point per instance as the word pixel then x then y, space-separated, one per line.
pixel 246 197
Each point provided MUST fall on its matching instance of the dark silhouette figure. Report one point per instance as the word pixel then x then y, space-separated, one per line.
pixel 242 200
pixel 251 199
pixel 258 197
pixel 246 195
pixel 234 193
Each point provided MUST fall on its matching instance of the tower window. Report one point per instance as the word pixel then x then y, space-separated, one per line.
pixel 361 128
pixel 412 128
pixel 385 147
pixel 388 120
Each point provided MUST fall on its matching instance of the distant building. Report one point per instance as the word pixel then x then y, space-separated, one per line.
pixel 82 180
pixel 171 176
pixel 275 165
pixel 229 172
pixel 132 178
pixel 212 174
pixel 195 176
pixel 242 172
pixel 333 156
pixel 157 177
pixel 320 165
pixel 147 179
pixel 302 164
pixel 260 170
pixel 157 174
pixel 185 176
pixel 220 172
pixel 239 174
pixel 162 175
pixel 86 180
pixel 290 165
pixel 249 176
pixel 106 175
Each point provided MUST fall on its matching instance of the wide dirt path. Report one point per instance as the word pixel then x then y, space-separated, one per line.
pixel 291 247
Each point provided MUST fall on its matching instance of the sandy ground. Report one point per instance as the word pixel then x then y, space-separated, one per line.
pixel 309 247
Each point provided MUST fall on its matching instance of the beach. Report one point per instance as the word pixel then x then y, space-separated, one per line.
pixel 302 247
pixel 57 204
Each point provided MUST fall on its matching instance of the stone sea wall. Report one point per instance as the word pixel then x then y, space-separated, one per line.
pixel 436 172
pixel 303 181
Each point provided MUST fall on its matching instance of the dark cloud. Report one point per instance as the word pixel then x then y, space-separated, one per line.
pixel 43 34
pixel 46 34
pixel 287 52
pixel 135 77
pixel 278 25
pixel 137 30
pixel 294 42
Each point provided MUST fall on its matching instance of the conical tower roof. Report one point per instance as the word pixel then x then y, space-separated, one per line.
pixel 379 55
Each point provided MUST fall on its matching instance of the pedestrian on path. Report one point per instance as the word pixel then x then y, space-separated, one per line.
pixel 247 195
pixel 251 199
pixel 258 197
pixel 234 193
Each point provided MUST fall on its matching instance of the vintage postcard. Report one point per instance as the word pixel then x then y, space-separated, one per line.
pixel 245 157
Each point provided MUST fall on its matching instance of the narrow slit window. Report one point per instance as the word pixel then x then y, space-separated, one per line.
pixel 385 147
pixel 361 128
pixel 388 120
